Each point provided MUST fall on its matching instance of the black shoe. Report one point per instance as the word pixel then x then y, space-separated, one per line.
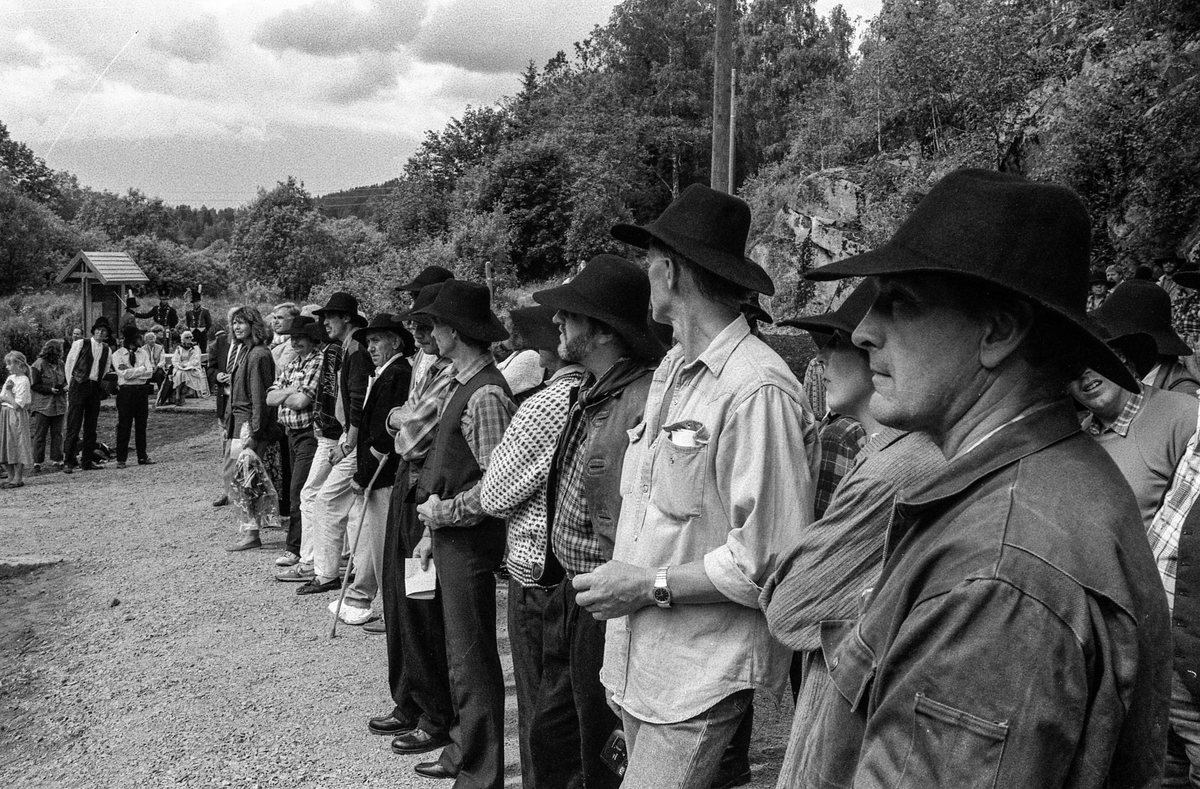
pixel 120 464
pixel 68 469
pixel 419 741
pixel 726 778
pixel 375 627
pixel 316 587
pixel 145 462
pixel 388 725
pixel 434 770
pixel 92 467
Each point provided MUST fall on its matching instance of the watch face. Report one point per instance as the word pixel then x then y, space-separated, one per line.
pixel 662 595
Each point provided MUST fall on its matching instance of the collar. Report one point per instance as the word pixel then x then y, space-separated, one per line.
pixel 468 370
pixel 1033 431
pixel 567 369
pixel 379 370
pixel 721 348
pixel 1148 378
pixel 1121 427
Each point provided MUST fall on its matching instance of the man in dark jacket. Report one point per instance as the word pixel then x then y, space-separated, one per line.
pixel 389 343
pixel 163 314
pixel 602 319
pixel 1018 635
pixel 88 361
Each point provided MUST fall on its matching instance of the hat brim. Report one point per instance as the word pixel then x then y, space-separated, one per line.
pixel 1166 343
pixel 894 259
pixel 640 339
pixel 821 324
pixel 491 331
pixel 1188 279
pixel 738 269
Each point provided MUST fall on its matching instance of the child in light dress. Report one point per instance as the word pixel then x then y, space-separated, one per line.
pixel 16 448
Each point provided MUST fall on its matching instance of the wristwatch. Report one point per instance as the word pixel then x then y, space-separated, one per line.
pixel 662 592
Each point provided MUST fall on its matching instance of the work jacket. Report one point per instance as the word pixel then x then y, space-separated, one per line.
pixel 1018 636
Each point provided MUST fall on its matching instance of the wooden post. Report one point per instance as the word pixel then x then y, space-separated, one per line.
pixel 489 276
pixel 732 180
pixel 722 73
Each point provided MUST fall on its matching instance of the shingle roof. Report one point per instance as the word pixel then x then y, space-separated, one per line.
pixel 109 267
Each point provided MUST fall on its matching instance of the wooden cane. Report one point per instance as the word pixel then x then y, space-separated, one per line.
pixel 350 562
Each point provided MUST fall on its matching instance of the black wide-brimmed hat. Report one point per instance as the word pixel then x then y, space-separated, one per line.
pixel 424 298
pixel 388 322
pixel 1030 239
pixel 710 229
pixel 1138 307
pixel 845 318
pixel 613 290
pixel 101 323
pixel 467 308
pixel 307 327
pixel 430 275
pixel 535 327
pixel 344 303
pixel 1188 276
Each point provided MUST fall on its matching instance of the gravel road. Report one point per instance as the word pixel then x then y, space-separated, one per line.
pixel 150 657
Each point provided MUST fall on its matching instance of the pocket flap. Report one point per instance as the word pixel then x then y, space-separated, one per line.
pixel 636 432
pixel 851 665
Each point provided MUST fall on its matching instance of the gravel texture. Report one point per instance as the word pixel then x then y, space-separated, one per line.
pixel 150 657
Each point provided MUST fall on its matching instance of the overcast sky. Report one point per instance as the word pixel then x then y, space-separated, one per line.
pixel 202 102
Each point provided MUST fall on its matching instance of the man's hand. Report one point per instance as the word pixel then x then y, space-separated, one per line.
pixel 358 489
pixel 615 589
pixel 424 550
pixel 426 511
pixel 338 453
pixel 222 378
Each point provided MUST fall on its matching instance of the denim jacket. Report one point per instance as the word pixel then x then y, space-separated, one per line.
pixel 1018 636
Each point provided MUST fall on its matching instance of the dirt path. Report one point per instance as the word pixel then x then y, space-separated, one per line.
pixel 152 658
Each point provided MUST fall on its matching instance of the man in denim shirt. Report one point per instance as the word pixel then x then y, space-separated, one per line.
pixel 1018 635
pixel 717 481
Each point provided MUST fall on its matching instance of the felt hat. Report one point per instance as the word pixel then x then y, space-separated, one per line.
pixel 344 303
pixel 300 325
pixel 131 303
pixel 536 327
pixel 128 331
pixel 385 321
pixel 424 298
pixel 1030 239
pixel 467 308
pixel 1098 279
pixel 429 275
pixel 710 229
pixel 196 296
pixel 613 290
pixel 101 323
pixel 845 318
pixel 1139 307
pixel 1188 276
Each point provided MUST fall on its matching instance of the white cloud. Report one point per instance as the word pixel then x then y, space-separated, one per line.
pixel 329 28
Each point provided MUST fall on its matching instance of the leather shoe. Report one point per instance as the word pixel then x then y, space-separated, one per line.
pixel 313 587
pixel 434 770
pixel 375 627
pixel 389 725
pixel 419 741
pixel 244 546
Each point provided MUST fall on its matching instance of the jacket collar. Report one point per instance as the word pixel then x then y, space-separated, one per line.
pixel 613 380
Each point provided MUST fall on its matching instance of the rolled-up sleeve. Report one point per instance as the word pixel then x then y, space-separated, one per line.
pixel 764 479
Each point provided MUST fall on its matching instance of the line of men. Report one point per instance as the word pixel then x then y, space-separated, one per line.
pixel 978 601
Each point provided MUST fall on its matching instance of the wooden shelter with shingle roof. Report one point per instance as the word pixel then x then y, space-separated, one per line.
pixel 105 278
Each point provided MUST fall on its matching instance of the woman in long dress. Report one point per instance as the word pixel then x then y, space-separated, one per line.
pixel 16 449
pixel 188 371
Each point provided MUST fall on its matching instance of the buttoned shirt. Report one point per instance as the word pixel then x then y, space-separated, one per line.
pixel 1167 525
pixel 412 424
pixel 514 486
pixel 133 369
pixel 99 350
pixel 721 470
pixel 842 439
pixel 303 375
pixel 483 423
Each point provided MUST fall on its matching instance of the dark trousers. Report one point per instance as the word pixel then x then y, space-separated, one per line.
pixel 573 721
pixel 133 409
pixel 302 448
pixel 418 675
pixel 286 497
pixel 466 560
pixel 83 409
pixel 48 425
pixel 526 611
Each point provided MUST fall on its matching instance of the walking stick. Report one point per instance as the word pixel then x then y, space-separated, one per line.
pixel 362 515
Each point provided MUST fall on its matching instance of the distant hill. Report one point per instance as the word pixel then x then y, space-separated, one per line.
pixel 362 201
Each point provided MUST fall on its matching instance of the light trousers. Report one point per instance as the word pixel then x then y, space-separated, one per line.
pixel 336 505
pixel 367 543
pixel 318 472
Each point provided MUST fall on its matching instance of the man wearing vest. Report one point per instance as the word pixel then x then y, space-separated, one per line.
pixel 88 361
pixel 467 546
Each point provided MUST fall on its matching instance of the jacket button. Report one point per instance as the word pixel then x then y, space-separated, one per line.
pixel 834 663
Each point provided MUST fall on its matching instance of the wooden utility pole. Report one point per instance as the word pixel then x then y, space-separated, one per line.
pixel 732 182
pixel 722 97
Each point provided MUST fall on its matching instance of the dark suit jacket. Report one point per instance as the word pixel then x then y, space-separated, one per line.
pixel 389 391
pixel 218 359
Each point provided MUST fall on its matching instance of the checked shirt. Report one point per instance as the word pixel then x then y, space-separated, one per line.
pixel 304 376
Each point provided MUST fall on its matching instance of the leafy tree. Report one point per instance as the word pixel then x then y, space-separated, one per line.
pixel 27 173
pixel 281 240
pixel 34 242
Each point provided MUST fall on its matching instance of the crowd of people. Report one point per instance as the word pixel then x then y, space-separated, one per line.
pixel 965 544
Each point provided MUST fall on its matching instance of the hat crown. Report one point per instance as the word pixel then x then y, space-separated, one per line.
pixel 714 219
pixel 467 308
pixel 340 301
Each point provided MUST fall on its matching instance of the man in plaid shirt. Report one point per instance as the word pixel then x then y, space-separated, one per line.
pixel 294 392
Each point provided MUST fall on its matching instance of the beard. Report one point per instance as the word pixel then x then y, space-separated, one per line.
pixel 577 348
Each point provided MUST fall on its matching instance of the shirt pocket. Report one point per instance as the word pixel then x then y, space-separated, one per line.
pixel 951 747
pixel 678 484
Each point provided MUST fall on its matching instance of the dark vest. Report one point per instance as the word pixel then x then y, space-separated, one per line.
pixel 450 468
pixel 1185 617
pixel 83 362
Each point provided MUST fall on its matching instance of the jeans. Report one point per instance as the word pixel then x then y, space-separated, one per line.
pixel 682 755
pixel 53 426
pixel 83 409
pixel 133 409
pixel 526 608
pixel 303 447
pixel 318 472
pixel 1183 738
pixel 336 505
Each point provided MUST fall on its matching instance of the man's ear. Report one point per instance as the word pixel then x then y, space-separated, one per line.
pixel 1003 332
